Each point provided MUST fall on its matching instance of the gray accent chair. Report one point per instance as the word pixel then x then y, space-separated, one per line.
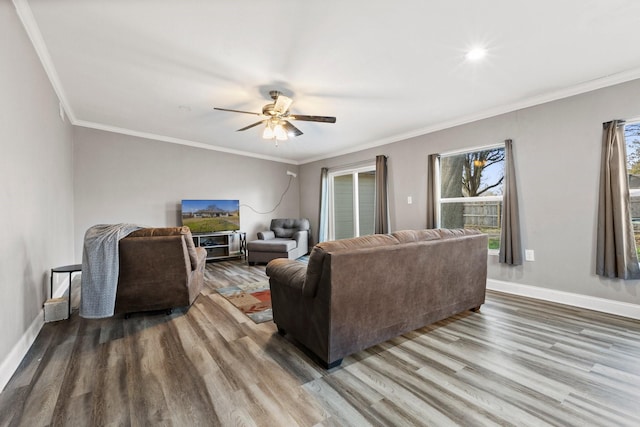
pixel 286 238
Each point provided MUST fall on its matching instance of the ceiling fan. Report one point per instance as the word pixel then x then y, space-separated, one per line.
pixel 276 117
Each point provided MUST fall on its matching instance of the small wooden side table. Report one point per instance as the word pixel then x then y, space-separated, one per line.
pixel 65 269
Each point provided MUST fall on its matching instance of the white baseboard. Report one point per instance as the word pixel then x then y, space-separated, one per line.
pixel 12 361
pixel 618 308
pixel 17 353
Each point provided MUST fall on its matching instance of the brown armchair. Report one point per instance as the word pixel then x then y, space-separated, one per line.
pixel 160 269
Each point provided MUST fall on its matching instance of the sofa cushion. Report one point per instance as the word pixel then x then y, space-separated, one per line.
pixel 191 248
pixel 272 245
pixel 319 251
pixel 284 232
pixel 266 235
pixel 172 231
pixel 408 236
pixel 160 231
pixel 287 227
pixel 358 242
pixel 448 233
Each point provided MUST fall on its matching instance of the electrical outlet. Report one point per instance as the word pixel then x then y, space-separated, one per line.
pixel 409 200
pixel 529 255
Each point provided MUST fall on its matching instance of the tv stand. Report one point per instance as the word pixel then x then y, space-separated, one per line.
pixel 223 244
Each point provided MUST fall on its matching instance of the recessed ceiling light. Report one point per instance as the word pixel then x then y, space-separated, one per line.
pixel 476 54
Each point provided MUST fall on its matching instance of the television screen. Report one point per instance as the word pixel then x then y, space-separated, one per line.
pixel 207 216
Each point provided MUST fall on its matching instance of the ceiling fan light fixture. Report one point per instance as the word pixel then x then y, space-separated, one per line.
pixel 268 132
pixel 280 133
pixel 276 118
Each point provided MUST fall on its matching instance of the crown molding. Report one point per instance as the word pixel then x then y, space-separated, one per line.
pixel 33 32
pixel 578 89
pixel 170 139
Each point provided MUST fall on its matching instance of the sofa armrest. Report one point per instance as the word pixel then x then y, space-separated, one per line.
pixel 302 240
pixel 288 272
pixel 201 258
pixel 266 235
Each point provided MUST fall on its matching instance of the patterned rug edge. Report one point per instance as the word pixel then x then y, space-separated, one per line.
pixel 253 299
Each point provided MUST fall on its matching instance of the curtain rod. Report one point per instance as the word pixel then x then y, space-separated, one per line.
pixel 620 121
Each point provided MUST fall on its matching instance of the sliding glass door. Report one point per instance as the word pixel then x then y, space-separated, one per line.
pixel 352 199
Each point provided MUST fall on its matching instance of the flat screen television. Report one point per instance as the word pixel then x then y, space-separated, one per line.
pixel 208 216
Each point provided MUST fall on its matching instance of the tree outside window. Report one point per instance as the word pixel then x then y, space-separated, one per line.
pixel 471 189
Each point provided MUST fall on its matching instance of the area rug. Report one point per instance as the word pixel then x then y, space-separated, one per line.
pixel 253 299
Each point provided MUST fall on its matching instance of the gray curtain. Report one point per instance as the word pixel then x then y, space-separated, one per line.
pixel 323 228
pixel 510 240
pixel 432 203
pixel 382 199
pixel 615 249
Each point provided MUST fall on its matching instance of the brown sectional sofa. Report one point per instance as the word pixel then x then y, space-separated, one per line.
pixel 160 269
pixel 356 293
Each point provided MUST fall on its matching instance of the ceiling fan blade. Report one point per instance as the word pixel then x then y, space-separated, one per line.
pixel 250 126
pixel 282 104
pixel 237 111
pixel 291 129
pixel 323 119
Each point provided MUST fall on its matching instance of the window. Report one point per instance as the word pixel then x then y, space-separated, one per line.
pixel 632 141
pixel 352 202
pixel 471 187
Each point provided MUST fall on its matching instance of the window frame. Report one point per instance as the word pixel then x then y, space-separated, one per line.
pixel 438 196
pixel 353 171
pixel 633 192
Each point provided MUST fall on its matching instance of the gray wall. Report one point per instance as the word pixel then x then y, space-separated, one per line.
pixel 557 154
pixel 36 186
pixel 121 178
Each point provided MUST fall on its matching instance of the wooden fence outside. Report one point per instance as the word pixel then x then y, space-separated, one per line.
pixel 482 214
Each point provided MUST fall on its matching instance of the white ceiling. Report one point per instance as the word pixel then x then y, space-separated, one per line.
pixel 386 70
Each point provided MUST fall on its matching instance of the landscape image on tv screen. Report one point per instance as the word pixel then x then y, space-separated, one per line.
pixel 207 216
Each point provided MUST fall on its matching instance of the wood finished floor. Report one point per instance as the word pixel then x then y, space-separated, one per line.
pixel 516 362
